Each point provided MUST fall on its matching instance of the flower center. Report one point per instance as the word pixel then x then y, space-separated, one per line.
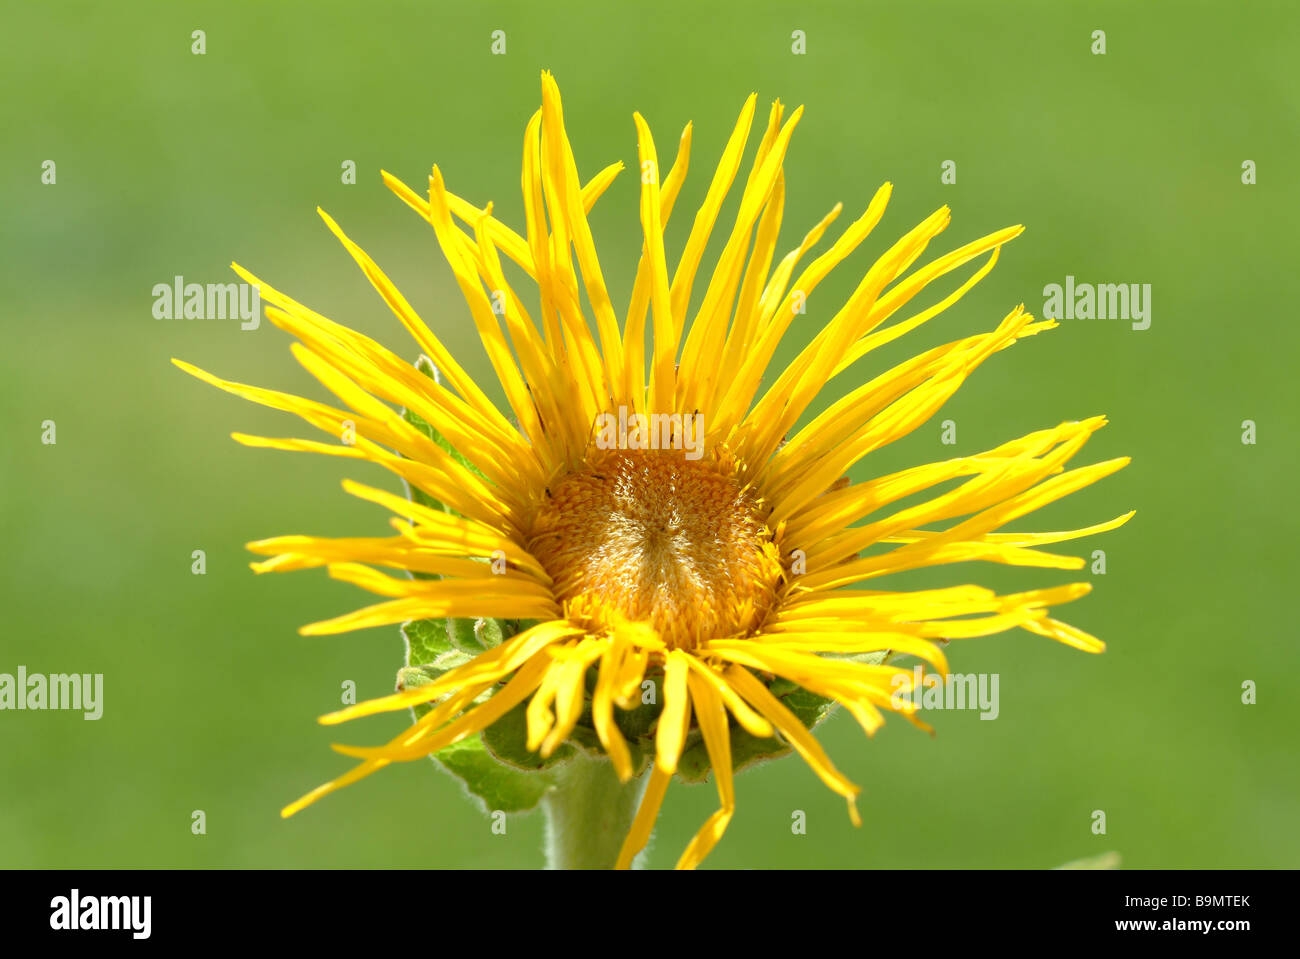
pixel 655 537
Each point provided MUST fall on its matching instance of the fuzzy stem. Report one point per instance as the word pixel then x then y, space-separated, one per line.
pixel 588 814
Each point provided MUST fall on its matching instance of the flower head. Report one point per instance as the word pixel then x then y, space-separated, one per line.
pixel 652 513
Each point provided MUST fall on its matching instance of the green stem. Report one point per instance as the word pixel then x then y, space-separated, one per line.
pixel 588 814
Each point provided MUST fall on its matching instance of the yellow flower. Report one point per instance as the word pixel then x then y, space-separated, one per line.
pixel 715 558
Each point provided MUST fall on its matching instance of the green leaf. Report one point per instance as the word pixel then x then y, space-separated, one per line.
pixel 414 493
pixel 425 366
pixel 876 658
pixel 507 739
pixel 513 627
pixel 412 677
pixel 508 788
pixel 434 646
pixel 426 640
pixel 461 634
pixel 586 738
pixel 638 723
pixel 747 749
pixel 496 786
pixel 809 708
pixel 419 496
pixel 491 632
pixel 812 709
pixel 474 636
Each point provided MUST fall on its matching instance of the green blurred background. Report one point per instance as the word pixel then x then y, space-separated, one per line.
pixel 1125 167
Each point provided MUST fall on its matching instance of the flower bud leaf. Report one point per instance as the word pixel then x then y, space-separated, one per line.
pixel 462 636
pixel 491 632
